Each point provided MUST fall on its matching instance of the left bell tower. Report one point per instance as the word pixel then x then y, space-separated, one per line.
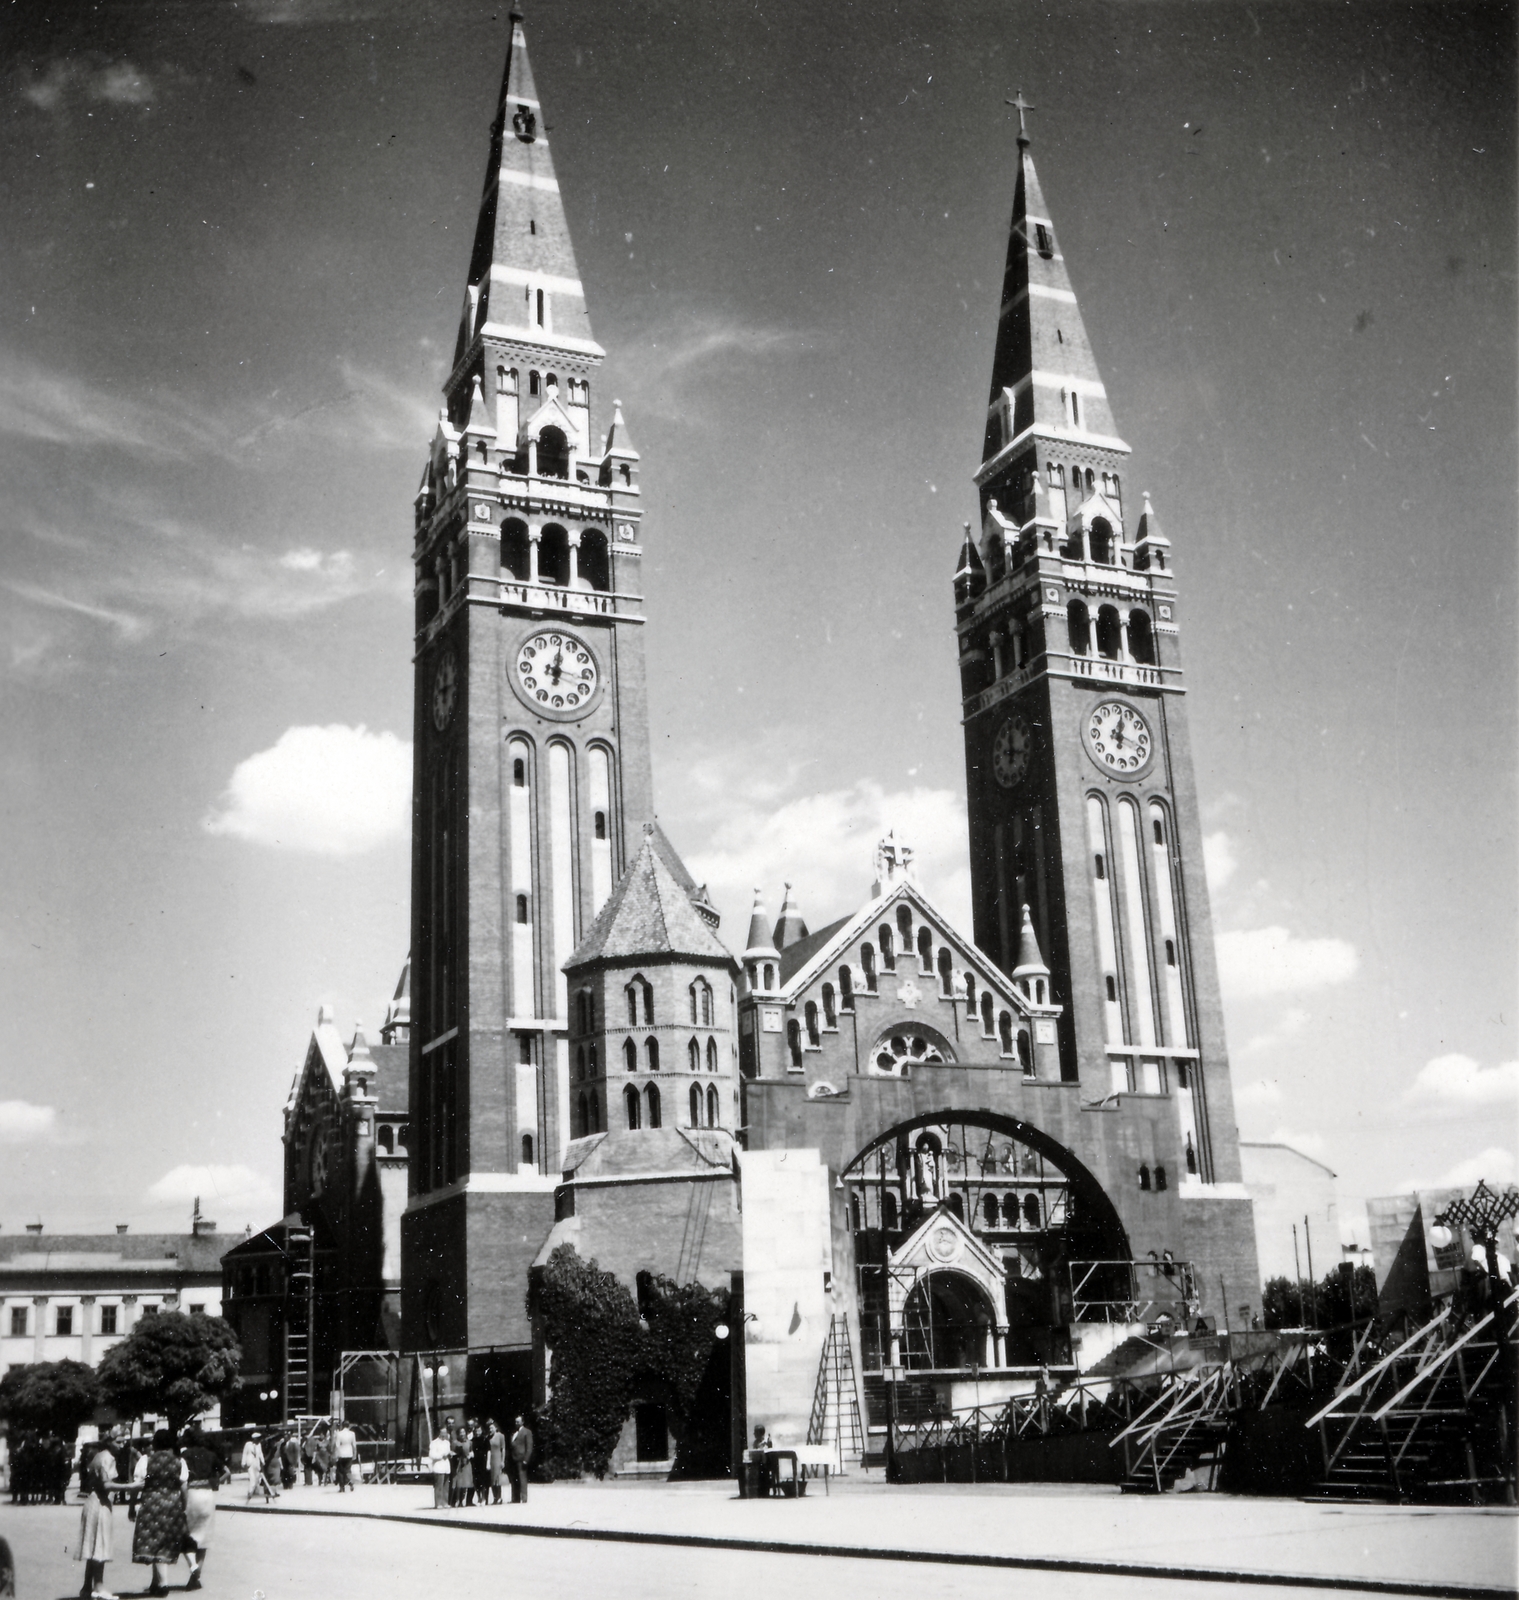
pixel 531 766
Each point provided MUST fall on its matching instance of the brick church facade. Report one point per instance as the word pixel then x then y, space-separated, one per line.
pixel 969 1152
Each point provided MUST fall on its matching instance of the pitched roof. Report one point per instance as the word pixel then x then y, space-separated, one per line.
pixel 796 956
pixel 649 913
pixel 391 1087
pixel 63 1252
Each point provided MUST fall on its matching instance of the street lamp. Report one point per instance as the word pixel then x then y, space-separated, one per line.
pixel 1481 1213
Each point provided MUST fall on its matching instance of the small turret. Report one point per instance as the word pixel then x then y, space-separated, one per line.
pixel 396 1028
pixel 1152 549
pixel 970 574
pixel 1029 971
pixel 792 925
pixel 358 1075
pixel 619 456
pixel 762 963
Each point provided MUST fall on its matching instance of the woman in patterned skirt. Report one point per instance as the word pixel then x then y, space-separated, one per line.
pixel 160 1535
pixel 94 1543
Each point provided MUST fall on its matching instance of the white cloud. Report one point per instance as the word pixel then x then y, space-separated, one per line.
pixel 238 1190
pixel 758 831
pixel 1254 963
pixel 21 1121
pixel 339 564
pixel 1453 1084
pixel 1495 1164
pixel 108 82
pixel 333 791
pixel 1259 1095
pixel 129 626
pixel 1291 1023
pixel 1220 860
pixel 56 407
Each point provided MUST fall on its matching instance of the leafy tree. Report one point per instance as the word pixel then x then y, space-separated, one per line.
pixel 1345 1295
pixel 171 1365
pixel 55 1397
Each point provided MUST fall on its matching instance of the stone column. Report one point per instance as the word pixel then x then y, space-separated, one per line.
pixel 532 549
pixel 574 542
pixel 87 1329
pixel 994 638
pixel 39 1333
pixel 128 1308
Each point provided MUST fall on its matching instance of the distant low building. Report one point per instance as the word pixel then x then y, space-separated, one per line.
pixel 1291 1190
pixel 72 1296
pixel 1389 1218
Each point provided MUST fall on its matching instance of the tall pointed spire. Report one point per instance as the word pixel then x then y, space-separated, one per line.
pixel 1030 962
pixel 792 925
pixel 524 285
pixel 1045 381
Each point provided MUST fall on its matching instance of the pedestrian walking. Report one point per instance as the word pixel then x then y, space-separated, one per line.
pixel 308 1455
pixel 522 1455
pixel 345 1452
pixel 290 1460
pixel 496 1459
pixel 158 1537
pixel 95 1541
pixel 440 1458
pixel 322 1457
pixel 272 1463
pixel 207 1472
pixel 253 1465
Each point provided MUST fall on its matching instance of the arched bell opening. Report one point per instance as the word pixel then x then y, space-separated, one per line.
pixel 1022 1214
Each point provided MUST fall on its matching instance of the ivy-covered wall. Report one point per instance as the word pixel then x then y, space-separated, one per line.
pixel 607 1348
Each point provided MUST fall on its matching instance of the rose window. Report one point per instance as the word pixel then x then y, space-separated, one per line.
pixel 903 1048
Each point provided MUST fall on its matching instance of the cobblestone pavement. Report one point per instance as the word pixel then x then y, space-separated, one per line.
pixel 359 1553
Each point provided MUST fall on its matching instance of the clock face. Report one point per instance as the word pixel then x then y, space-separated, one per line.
pixel 556 673
pixel 1012 750
pixel 445 691
pixel 1119 738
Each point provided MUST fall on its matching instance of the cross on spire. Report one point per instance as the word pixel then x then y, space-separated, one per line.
pixel 1021 105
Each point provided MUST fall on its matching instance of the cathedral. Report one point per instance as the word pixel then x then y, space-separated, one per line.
pixel 959 1156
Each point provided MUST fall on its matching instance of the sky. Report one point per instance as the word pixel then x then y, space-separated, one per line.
pixel 236 243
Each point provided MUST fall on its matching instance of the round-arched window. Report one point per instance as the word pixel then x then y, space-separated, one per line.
pixel 905 1047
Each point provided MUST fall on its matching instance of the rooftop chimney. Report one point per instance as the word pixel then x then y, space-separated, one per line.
pixel 34 1227
pixel 121 1227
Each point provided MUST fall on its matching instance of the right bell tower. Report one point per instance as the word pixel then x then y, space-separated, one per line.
pixel 1079 770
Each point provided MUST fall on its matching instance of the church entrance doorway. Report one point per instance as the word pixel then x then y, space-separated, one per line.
pixel 947 1324
pixel 1029 1213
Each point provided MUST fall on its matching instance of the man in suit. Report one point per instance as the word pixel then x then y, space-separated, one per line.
pixel 522 1454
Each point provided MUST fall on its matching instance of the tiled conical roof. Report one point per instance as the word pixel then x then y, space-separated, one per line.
pixel 649 913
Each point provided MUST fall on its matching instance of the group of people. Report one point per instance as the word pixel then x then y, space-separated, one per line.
pixel 37 1470
pixel 471 1459
pixel 276 1460
pixel 176 1509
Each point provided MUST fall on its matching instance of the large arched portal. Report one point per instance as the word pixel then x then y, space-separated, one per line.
pixel 1042 1238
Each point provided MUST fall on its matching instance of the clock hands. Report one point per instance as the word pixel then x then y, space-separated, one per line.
pixel 557 667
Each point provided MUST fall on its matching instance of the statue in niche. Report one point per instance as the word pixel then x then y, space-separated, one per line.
pixel 925 1169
